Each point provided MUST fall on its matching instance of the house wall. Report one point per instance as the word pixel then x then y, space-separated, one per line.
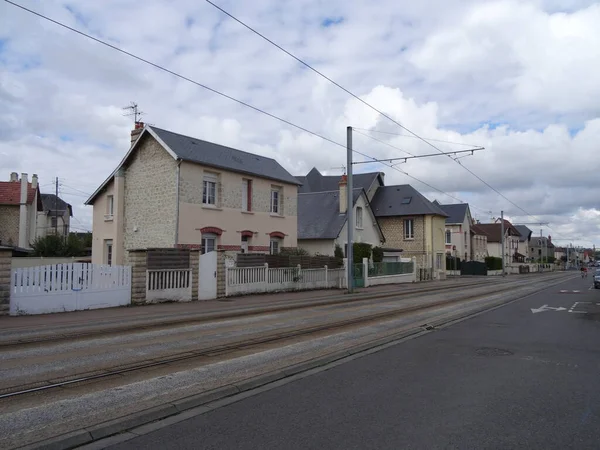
pixel 103 228
pixel 150 197
pixel 479 247
pixel 393 230
pixel 510 247
pixel 435 228
pixel 318 246
pixel 368 234
pixel 9 224
pixel 31 221
pixel 228 215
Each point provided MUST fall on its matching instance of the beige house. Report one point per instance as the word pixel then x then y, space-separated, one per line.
pixel 479 243
pixel 323 222
pixel 19 205
pixel 55 217
pixel 457 235
pixel 172 190
pixel 494 240
pixel 412 223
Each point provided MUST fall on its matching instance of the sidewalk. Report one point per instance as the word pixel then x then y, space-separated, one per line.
pixel 81 322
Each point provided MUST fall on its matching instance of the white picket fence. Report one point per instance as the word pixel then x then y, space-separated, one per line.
pixel 68 287
pixel 169 285
pixel 252 280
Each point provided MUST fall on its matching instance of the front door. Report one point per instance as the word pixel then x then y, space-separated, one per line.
pixel 207 276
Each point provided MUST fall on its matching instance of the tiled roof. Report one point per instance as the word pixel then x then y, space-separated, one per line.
pixel 494 230
pixel 456 212
pixel 10 193
pixel 314 181
pixel 51 202
pixel 403 200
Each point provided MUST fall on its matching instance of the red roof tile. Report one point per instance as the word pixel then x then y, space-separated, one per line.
pixel 10 193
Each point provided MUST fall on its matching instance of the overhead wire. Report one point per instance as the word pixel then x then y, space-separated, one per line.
pixel 308 66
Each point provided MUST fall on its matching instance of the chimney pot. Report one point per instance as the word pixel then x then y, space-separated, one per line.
pixel 34 181
pixel 135 133
pixel 342 195
pixel 14 176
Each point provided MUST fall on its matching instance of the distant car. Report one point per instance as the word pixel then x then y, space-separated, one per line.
pixel 597 280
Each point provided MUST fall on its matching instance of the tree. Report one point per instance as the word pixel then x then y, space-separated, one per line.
pixel 57 246
pixel 338 252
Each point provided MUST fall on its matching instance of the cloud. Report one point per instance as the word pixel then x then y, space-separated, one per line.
pixel 518 78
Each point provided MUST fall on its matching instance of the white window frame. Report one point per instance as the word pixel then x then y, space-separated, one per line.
pixel 206 237
pixel 359 217
pixel 275 246
pixel 110 206
pixel 209 181
pixel 108 247
pixel 275 203
pixel 409 229
pixel 448 237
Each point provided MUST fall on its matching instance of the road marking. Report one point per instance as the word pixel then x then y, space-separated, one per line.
pixel 546 308
pixel 573 307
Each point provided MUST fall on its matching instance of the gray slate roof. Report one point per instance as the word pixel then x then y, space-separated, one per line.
pixel 319 214
pixel 219 156
pixel 456 213
pixel 315 182
pixel 525 232
pixel 51 202
pixel 387 202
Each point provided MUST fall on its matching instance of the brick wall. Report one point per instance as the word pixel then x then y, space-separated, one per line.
pixel 150 197
pixel 9 225
pixel 221 274
pixel 393 230
pixel 5 258
pixel 137 260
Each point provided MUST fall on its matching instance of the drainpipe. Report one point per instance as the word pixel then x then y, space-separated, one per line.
pixel 177 202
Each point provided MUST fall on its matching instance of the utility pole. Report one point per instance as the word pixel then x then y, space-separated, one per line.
pixel 349 211
pixel 56 209
pixel 502 239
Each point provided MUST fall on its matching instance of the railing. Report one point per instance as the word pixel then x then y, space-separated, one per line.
pixel 390 268
pixel 169 284
pixel 251 280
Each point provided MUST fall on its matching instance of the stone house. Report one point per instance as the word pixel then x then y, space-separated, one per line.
pixel 172 190
pixel 323 221
pixel 55 216
pixel 19 205
pixel 494 240
pixel 541 247
pixel 412 223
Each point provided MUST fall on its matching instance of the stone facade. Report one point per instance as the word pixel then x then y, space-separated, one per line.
pixel 9 225
pixel 137 260
pixel 221 257
pixel 5 270
pixel 150 197
pixel 195 266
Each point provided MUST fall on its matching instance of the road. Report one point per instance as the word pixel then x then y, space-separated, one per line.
pixel 520 376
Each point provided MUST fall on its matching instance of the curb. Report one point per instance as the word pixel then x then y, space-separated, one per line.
pixel 128 427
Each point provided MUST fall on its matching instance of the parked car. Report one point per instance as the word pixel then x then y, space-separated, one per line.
pixel 597 280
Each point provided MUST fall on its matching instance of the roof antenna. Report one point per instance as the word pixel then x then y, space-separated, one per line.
pixel 339 168
pixel 133 111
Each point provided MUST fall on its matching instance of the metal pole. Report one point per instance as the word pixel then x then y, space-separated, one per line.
pixel 349 210
pixel 56 210
pixel 502 239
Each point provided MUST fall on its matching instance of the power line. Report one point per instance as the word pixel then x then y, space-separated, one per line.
pixel 218 93
pixel 308 66
pixel 75 189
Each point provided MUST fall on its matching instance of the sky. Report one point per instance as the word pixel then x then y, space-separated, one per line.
pixel 519 78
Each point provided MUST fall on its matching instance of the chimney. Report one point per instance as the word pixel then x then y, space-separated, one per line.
pixel 343 198
pixel 550 239
pixel 14 176
pixel 135 133
pixel 34 181
pixel 23 213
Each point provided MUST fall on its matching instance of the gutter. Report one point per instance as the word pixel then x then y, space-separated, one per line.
pixel 179 161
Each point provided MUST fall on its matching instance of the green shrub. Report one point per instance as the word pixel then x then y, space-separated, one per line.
pixel 338 252
pixel 493 263
pixel 377 254
pixel 361 250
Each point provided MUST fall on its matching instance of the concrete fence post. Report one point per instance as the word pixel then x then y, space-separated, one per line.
pixel 139 266
pixel 266 285
pixel 365 263
pixel 195 271
pixel 414 272
pixel 5 280
pixel 344 279
pixel 221 273
pixel 326 277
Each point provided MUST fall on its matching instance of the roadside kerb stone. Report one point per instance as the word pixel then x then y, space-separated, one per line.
pixel 64 442
pixel 205 397
pixel 131 421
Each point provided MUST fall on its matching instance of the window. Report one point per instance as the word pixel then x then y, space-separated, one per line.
pixel 53 221
pixel 110 203
pixel 244 247
pixel 108 246
pixel 448 237
pixel 209 191
pixel 359 217
pixel 209 243
pixel 438 261
pixel 465 239
pixel 246 195
pixel 275 246
pixel 409 231
pixel 275 200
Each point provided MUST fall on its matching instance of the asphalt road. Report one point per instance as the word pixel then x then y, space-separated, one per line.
pixel 520 376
